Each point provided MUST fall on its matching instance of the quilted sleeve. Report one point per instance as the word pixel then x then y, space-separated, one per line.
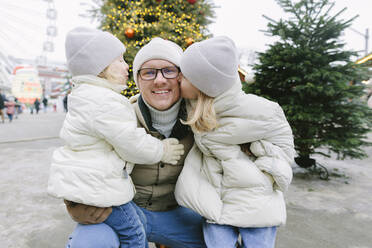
pixel 273 160
pixel 117 124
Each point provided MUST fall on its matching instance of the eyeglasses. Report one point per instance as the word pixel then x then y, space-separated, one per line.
pixel 151 73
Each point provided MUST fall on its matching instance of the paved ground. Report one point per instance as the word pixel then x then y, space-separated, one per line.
pixel 323 214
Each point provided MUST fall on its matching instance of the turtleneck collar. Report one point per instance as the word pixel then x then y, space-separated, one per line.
pixel 164 120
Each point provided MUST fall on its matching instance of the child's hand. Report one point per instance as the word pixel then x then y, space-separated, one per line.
pixel 172 151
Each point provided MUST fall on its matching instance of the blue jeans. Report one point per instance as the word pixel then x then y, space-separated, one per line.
pixel 10 116
pixel 227 236
pixel 127 224
pixel 177 228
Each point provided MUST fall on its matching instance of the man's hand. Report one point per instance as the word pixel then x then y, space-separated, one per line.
pixel 246 149
pixel 85 214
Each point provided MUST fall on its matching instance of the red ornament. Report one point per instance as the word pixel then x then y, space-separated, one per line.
pixel 189 41
pixel 191 1
pixel 129 32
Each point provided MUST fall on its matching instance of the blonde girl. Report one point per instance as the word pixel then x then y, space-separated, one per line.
pixel 236 193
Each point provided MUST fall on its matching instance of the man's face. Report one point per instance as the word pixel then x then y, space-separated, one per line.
pixel 160 93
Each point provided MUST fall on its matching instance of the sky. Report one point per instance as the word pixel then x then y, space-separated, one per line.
pixel 23 24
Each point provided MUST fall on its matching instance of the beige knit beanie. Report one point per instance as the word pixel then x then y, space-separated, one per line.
pixel 211 65
pixel 90 51
pixel 157 48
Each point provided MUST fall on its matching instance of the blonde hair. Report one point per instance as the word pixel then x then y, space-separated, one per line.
pixel 202 118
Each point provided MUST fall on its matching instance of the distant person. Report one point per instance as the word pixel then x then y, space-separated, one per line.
pixel 18 108
pixel 31 107
pixel 65 101
pixel 2 106
pixel 102 140
pixel 10 108
pixel 45 104
pixel 37 105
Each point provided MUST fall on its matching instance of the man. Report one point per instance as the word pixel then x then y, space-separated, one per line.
pixel 37 105
pixel 45 104
pixel 158 109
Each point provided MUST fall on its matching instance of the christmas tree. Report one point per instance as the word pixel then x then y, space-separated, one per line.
pixel 136 22
pixel 308 72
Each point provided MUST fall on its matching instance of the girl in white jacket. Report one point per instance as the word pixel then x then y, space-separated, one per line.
pixel 102 140
pixel 235 192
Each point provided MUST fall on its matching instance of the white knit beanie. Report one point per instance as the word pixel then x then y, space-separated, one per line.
pixel 90 51
pixel 211 65
pixel 157 48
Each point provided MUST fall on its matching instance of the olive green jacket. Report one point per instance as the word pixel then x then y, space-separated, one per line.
pixel 155 183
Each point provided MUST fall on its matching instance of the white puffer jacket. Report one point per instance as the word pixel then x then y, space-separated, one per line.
pixel 225 185
pixel 101 139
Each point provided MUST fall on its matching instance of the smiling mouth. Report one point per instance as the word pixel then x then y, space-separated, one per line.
pixel 160 92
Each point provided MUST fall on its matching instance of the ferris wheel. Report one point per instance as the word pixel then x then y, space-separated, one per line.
pixel 51 31
pixel 28 29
